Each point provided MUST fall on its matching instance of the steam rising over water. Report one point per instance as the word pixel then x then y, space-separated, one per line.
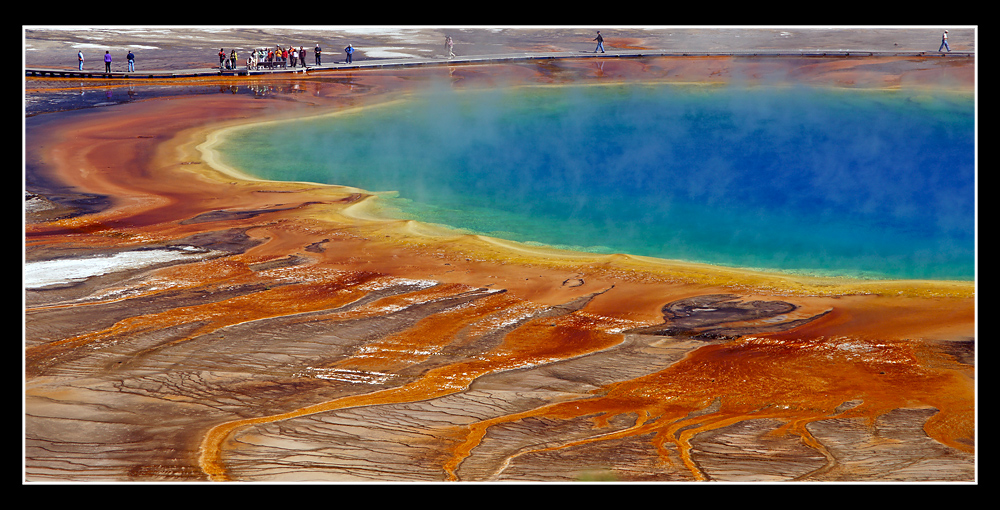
pixel 853 183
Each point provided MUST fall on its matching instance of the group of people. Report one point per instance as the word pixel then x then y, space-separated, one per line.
pixel 276 57
pixel 130 58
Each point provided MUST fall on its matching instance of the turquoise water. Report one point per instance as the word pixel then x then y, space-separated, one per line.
pixel 867 184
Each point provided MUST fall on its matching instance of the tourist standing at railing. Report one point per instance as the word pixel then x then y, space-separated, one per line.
pixel 318 51
pixel 350 51
pixel 232 58
pixel 79 58
pixel 292 57
pixel 107 61
pixel 222 58
pixel 131 61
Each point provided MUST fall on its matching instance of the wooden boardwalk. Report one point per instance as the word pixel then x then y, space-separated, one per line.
pixel 415 61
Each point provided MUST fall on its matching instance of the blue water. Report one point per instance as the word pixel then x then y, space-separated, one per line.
pixel 866 184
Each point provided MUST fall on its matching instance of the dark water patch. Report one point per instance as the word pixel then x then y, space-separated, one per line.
pixel 721 316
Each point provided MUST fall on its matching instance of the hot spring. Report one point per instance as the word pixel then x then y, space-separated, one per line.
pixel 861 184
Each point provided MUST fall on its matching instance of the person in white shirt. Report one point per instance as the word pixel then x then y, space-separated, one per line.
pixel 944 41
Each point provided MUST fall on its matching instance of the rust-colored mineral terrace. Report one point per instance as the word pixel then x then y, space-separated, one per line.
pixel 288 336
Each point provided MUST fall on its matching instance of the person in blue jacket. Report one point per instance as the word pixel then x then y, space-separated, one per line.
pixel 107 61
pixel 349 50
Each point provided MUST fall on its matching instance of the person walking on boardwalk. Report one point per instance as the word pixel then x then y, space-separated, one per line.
pixel 79 58
pixel 350 51
pixel 107 61
pixel 448 43
pixel 317 51
pixel 944 41
pixel 131 61
pixel 600 42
